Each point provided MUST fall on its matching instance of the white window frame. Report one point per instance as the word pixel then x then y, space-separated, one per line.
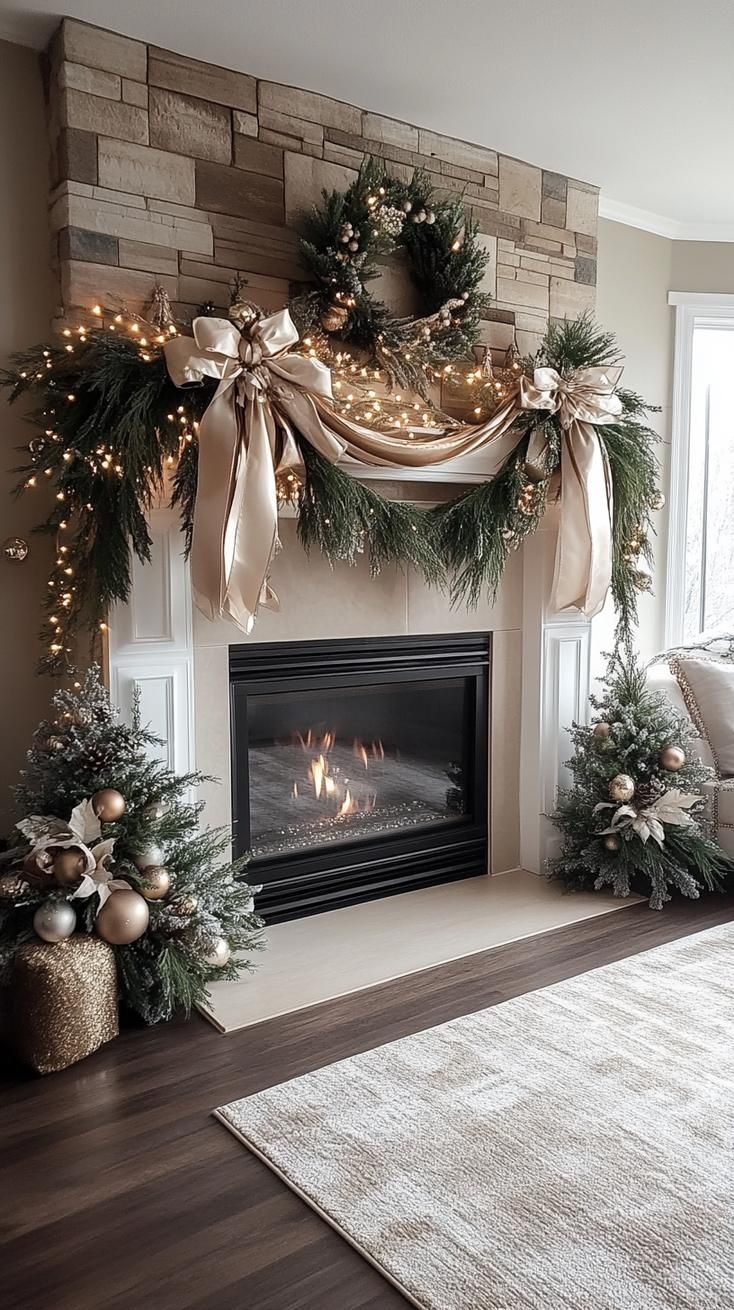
pixel 693 309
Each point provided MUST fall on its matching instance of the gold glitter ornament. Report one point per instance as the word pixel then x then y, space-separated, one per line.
pixel 155 883
pixel 622 787
pixel 65 1001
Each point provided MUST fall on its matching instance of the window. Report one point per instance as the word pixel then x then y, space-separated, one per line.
pixel 700 590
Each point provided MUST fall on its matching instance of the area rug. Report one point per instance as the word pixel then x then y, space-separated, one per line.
pixel 567 1150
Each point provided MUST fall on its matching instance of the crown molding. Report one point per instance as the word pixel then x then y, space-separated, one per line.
pixel 661 226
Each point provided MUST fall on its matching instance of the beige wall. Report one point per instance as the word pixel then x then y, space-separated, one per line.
pixel 26 299
pixel 635 270
pixel 703 266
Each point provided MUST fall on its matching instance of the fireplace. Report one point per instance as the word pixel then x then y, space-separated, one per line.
pixel 359 767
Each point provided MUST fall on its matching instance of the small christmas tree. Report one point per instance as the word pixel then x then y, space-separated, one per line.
pixel 111 845
pixel 634 818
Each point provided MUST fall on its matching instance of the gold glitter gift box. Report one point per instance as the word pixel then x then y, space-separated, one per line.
pixel 65 1001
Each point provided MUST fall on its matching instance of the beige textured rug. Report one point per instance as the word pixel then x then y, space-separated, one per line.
pixel 567 1150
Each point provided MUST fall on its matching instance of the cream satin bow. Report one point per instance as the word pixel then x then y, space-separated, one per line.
pixel 583 401
pixel 247 434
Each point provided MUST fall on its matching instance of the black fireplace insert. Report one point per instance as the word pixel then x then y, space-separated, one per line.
pixel 359 767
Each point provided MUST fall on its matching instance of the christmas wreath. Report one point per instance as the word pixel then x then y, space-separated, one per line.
pixel 121 403
pixel 345 241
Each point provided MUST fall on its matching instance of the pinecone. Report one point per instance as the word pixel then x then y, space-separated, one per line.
pixel 646 793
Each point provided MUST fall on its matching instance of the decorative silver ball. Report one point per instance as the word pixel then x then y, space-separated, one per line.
pixel 218 953
pixel 672 758
pixel 54 921
pixel 145 859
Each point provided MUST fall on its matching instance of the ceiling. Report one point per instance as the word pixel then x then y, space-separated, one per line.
pixel 636 96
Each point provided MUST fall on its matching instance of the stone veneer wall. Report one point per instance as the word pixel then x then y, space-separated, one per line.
pixel 170 169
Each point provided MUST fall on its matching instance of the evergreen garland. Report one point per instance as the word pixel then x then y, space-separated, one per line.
pixel 110 426
pixel 602 847
pixel 83 750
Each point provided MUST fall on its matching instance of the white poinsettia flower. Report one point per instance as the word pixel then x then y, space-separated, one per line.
pixel 100 879
pixel 670 808
pixel 85 824
pixel 38 826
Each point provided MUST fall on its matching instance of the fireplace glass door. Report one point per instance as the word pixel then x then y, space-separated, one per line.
pixel 346 762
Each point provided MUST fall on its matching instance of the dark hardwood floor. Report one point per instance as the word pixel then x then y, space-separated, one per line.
pixel 120 1192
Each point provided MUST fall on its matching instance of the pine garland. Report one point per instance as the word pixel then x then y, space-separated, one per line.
pixel 638 724
pixel 111 426
pixel 83 750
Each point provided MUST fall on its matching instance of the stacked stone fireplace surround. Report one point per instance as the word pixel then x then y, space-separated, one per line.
pixel 169 170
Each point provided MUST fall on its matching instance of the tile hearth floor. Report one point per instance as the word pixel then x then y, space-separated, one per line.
pixel 312 960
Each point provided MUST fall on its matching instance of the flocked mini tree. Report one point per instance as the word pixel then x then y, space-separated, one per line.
pixel 109 844
pixel 634 819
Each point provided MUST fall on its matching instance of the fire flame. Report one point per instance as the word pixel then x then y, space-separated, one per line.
pixel 327 786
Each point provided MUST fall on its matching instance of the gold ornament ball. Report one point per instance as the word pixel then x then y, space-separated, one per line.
pixel 218 953
pixel 622 787
pixel 108 805
pixel 54 921
pixel 672 758
pixel 611 842
pixel 602 729
pixel 334 317
pixel 123 918
pixel 155 883
pixel 68 866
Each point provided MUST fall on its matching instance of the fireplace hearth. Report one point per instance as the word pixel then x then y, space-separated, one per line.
pixel 359 767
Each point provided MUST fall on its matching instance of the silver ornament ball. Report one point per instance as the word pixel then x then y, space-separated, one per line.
pixel 54 921
pixel 151 855
pixel 218 953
